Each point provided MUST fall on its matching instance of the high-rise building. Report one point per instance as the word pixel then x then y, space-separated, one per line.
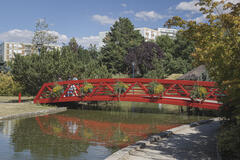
pixel 8 49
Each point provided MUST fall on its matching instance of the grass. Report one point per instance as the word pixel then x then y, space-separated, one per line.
pixel 13 99
pixel 9 106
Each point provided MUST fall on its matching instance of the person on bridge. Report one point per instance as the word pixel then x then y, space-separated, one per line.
pixel 73 86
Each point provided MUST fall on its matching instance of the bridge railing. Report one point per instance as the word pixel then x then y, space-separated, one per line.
pixel 177 92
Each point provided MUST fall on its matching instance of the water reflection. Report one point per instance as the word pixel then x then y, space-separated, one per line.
pixel 79 134
pixel 96 132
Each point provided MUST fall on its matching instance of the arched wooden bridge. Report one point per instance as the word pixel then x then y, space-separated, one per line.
pixel 176 92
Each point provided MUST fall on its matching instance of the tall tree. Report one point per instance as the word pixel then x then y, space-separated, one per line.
pixel 42 36
pixel 165 43
pixel 73 45
pixel 217 45
pixel 177 53
pixel 118 41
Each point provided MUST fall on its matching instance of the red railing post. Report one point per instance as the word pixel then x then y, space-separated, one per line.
pixel 19 97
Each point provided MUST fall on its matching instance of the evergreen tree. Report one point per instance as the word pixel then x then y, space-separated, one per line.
pixel 118 41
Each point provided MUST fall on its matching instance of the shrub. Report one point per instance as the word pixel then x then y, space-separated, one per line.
pixel 57 91
pixel 198 92
pixel 8 87
pixel 87 88
pixel 155 88
pixel 229 142
pixel 120 87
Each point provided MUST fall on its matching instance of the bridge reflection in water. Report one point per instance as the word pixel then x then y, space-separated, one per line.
pixel 108 134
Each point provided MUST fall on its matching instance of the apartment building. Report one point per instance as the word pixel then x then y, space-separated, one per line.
pixel 7 49
pixel 166 31
pixel 151 34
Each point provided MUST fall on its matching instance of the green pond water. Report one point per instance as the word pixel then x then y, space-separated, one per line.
pixel 79 134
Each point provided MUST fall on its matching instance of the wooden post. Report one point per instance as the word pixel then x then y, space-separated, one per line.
pixel 19 97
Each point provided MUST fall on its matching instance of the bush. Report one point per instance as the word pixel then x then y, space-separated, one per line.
pixel 87 88
pixel 120 87
pixel 8 87
pixel 155 88
pixel 229 142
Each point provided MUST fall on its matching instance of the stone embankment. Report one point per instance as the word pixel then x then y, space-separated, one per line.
pixel 25 110
pixel 194 141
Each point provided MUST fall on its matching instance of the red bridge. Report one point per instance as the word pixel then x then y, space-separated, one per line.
pixel 176 92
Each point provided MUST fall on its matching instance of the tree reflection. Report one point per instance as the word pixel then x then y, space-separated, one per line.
pixel 27 135
pixel 108 134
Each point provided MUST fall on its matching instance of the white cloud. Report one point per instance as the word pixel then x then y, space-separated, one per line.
pixel 188 6
pixel 25 36
pixel 103 19
pixel 148 15
pixel 62 38
pixel 124 5
pixel 200 19
pixel 17 35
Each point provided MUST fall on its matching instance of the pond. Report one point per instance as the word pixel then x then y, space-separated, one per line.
pixel 81 134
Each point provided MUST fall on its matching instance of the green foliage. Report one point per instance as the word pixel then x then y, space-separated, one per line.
pixel 158 72
pixel 8 87
pixel 33 70
pixel 120 87
pixel 118 41
pixel 87 88
pixel 217 47
pixel 155 88
pixel 177 53
pixel 198 92
pixel 229 142
pixel 57 91
pixel 73 46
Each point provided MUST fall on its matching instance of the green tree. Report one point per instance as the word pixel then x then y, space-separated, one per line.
pixel 33 70
pixel 165 43
pixel 118 41
pixel 73 45
pixel 177 53
pixel 217 46
pixel 42 36
pixel 8 87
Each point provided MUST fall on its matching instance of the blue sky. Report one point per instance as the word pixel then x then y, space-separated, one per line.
pixel 84 19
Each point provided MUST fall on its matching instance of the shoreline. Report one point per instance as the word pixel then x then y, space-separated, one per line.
pixel 183 142
pixel 10 111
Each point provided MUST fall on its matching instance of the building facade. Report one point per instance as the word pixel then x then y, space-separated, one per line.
pixel 8 49
pixel 151 34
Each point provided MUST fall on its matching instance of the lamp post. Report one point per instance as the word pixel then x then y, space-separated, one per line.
pixel 133 64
